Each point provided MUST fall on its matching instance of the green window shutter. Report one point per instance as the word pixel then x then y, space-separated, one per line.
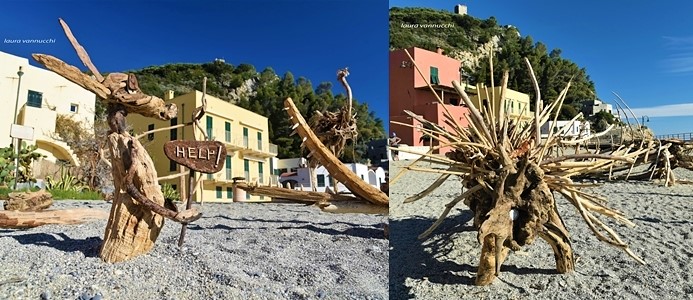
pixel 245 137
pixel 209 127
pixel 219 192
pixel 246 168
pixel 434 76
pixel 228 168
pixel 227 129
pixel 151 135
pixel 260 166
pixel 259 140
pixel 229 193
pixel 35 99
pixel 174 131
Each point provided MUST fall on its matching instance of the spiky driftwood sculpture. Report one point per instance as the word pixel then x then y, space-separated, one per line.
pixel 333 129
pixel 138 212
pixel 509 181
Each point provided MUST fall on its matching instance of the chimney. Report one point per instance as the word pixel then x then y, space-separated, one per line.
pixel 439 50
pixel 168 95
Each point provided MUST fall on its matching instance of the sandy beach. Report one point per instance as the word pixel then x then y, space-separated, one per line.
pixel 235 251
pixel 444 266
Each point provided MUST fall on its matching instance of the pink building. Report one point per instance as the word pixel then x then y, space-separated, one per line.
pixel 408 91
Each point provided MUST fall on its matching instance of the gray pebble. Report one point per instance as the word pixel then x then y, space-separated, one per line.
pixel 47 295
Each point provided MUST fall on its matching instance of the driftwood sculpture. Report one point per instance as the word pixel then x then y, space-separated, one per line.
pixel 138 211
pixel 367 199
pixel 509 180
pixel 333 130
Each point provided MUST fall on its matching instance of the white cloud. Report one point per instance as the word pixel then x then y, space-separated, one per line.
pixel 680 59
pixel 673 110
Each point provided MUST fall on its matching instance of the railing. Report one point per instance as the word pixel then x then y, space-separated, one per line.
pixel 681 136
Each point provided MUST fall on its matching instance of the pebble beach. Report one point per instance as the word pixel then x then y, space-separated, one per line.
pixel 235 251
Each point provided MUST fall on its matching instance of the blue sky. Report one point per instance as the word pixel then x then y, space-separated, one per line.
pixel 309 38
pixel 642 50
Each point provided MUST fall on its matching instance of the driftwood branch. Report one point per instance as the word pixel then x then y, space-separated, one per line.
pixel 29 219
pixel 81 52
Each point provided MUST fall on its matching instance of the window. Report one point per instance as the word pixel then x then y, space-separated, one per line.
pixel 228 167
pixel 74 108
pixel 434 76
pixel 329 180
pixel 151 135
pixel 35 99
pixel 321 180
pixel 172 165
pixel 272 171
pixel 227 132
pixel 219 192
pixel 246 168
pixel 229 193
pixel 455 101
pixel 247 196
pixel 259 141
pixel 209 127
pixel 209 177
pixel 174 131
pixel 245 137
pixel 260 171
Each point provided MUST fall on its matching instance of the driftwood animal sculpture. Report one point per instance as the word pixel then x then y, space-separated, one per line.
pixel 138 212
pixel 509 182
pixel 333 130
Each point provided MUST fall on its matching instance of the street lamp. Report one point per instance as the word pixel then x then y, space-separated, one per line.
pixel 16 105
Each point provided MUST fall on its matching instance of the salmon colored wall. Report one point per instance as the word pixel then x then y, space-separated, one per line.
pixel 408 90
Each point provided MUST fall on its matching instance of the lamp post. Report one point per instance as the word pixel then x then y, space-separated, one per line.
pixel 18 141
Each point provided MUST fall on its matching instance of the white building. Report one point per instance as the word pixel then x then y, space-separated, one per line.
pixel 576 129
pixel 298 177
pixel 43 95
pixel 592 107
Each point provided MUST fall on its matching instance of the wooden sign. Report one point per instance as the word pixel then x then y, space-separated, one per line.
pixel 201 156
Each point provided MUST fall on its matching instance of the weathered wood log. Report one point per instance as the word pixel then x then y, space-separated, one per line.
pixel 337 203
pixel 335 167
pixel 30 219
pixel 284 193
pixel 28 201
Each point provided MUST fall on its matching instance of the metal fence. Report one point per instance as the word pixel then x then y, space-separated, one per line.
pixel 681 136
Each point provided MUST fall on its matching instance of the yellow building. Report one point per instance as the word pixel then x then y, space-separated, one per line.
pixel 516 103
pixel 245 134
